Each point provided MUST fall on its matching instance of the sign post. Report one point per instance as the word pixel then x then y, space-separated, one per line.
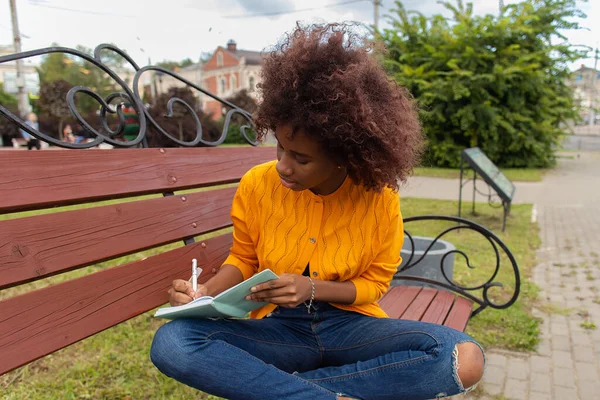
pixel 491 174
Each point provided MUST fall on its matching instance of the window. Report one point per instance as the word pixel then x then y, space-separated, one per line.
pixel 251 84
pixel 233 82
pixel 222 86
pixel 219 59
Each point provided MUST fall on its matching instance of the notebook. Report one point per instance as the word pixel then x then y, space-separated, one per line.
pixel 230 303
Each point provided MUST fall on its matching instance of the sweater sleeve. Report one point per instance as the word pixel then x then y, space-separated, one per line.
pixel 242 253
pixel 372 284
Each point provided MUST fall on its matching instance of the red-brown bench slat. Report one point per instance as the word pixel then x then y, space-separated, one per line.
pixel 41 179
pixel 40 322
pixel 420 304
pixel 425 304
pixel 458 317
pixel 35 247
pixel 439 307
pixel 397 299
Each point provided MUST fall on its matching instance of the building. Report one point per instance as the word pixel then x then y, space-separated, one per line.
pixel 228 71
pixel 192 73
pixel 586 86
pixel 8 73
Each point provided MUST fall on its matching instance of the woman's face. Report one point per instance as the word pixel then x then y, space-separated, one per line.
pixel 302 163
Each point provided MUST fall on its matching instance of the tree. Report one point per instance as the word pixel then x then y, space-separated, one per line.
pixel 6 99
pixel 53 102
pixel 497 82
pixel 182 125
pixel 247 103
pixel 79 72
pixel 8 129
pixel 175 65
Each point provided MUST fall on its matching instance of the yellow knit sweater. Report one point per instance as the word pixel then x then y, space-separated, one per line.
pixel 350 235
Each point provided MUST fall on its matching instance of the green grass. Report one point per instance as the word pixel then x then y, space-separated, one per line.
pixel 114 364
pixel 513 174
pixel 588 325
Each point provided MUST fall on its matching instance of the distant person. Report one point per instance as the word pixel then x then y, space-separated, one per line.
pixel 32 121
pixel 68 134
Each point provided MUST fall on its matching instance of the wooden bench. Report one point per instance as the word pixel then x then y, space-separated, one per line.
pixel 49 241
pixel 39 322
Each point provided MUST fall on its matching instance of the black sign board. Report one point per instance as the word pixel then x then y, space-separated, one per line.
pixel 489 172
pixel 483 166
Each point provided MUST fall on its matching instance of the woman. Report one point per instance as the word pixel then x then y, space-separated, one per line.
pixel 326 218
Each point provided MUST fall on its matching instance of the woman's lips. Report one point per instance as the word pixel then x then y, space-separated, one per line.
pixel 286 183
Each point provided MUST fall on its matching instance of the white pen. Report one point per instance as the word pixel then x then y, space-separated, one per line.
pixel 194 275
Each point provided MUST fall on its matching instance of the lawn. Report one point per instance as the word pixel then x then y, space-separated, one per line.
pixel 114 364
pixel 513 174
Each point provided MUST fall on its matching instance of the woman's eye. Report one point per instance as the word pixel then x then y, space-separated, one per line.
pixel 301 162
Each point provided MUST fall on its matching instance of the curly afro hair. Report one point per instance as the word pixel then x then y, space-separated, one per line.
pixel 325 80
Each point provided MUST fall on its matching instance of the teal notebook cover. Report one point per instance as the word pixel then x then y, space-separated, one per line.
pixel 230 303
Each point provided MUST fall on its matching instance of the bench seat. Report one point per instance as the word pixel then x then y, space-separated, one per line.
pixel 436 306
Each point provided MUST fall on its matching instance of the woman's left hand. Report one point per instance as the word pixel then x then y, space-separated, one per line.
pixel 289 291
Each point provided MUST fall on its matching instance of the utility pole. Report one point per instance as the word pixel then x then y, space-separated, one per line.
pixel 22 101
pixel 376 3
pixel 593 90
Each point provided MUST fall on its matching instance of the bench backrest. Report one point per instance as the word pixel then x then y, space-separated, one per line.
pixel 37 245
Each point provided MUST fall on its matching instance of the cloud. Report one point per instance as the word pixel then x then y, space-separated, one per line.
pixel 266 6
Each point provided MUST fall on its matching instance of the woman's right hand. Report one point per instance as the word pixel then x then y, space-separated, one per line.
pixel 182 293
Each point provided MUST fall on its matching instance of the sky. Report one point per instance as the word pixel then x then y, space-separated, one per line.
pixel 177 29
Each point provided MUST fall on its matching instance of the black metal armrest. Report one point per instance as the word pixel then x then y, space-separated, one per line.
pixel 470 292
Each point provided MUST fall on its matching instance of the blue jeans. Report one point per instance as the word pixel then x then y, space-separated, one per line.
pixel 293 354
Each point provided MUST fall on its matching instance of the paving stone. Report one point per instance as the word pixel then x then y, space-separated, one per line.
pixel 492 389
pixel 561 342
pixel 562 393
pixel 581 353
pixel 559 329
pixel 494 375
pixel 539 396
pixel 543 348
pixel 586 372
pixel 564 377
pixel 560 319
pixel 575 325
pixel 540 382
pixel 557 298
pixel 581 339
pixel 518 369
pixel 516 389
pixel 540 364
pixel 562 359
pixel 589 390
pixel 496 359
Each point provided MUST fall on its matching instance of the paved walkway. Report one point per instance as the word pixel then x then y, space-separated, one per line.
pixel 566 365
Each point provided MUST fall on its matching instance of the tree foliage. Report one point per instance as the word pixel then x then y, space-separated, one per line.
pixel 247 103
pixel 7 128
pixel 181 125
pixel 497 82
pixel 53 101
pixel 77 71
pixel 175 65
pixel 6 99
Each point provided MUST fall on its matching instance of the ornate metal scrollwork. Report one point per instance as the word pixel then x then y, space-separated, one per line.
pixel 129 95
pixel 470 291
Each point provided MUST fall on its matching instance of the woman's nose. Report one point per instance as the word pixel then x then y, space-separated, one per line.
pixel 283 167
